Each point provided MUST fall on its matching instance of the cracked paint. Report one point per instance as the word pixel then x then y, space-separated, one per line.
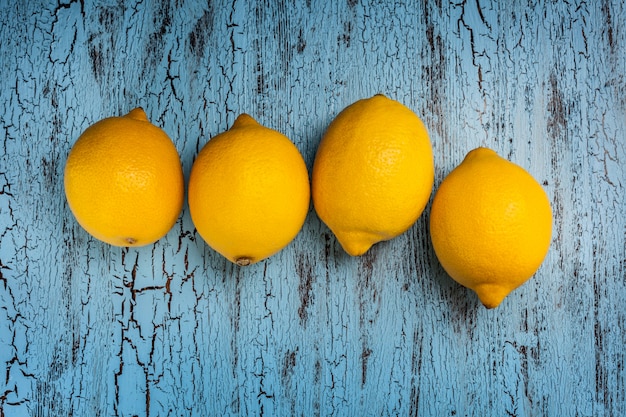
pixel 174 329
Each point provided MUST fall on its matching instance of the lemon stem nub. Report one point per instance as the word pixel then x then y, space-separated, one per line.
pixel 242 120
pixel 243 261
pixel 131 241
pixel 138 114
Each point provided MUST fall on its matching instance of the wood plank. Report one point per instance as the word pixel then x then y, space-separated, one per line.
pixel 174 329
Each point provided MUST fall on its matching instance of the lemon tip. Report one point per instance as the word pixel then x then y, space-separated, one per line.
pixel 138 113
pixel 491 296
pixel 354 246
pixel 244 119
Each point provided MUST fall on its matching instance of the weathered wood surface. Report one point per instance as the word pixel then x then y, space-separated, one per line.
pixel 173 329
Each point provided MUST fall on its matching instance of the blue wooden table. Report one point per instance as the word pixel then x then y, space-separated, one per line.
pixel 173 329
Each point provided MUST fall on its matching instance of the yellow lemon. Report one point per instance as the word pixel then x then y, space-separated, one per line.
pixel 248 192
pixel 123 180
pixel 490 225
pixel 373 173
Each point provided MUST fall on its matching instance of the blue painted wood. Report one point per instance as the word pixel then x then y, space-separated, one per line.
pixel 174 329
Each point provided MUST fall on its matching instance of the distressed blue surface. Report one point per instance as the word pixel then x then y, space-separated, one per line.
pixel 174 329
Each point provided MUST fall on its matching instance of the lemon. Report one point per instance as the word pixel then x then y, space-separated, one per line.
pixel 124 181
pixel 373 173
pixel 248 192
pixel 490 225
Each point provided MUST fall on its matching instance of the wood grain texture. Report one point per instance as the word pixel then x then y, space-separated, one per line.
pixel 174 329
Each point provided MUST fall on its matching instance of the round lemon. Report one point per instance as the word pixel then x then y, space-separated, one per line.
pixel 248 192
pixel 490 225
pixel 373 173
pixel 124 181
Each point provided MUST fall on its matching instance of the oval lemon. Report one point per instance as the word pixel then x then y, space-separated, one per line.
pixel 124 181
pixel 248 192
pixel 490 225
pixel 373 173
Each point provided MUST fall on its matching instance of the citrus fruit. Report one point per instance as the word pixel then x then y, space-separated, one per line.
pixel 490 225
pixel 248 192
pixel 124 181
pixel 373 173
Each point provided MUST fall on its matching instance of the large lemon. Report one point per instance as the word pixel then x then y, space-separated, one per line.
pixel 248 192
pixel 491 225
pixel 373 173
pixel 124 181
